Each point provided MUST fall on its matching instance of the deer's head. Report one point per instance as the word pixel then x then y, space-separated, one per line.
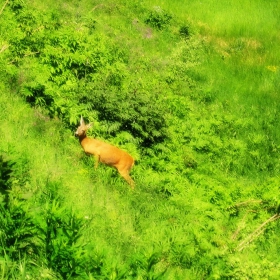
pixel 82 129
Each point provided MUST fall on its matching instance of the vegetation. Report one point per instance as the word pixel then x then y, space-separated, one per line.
pixel 190 90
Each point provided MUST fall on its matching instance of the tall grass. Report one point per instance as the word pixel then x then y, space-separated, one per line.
pixel 227 18
pixel 206 188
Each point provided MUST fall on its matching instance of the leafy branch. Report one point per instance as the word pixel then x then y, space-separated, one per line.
pixel 2 9
pixel 244 204
pixel 4 47
pixel 25 55
pixel 256 232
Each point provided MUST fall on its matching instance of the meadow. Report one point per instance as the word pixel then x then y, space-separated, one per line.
pixel 190 89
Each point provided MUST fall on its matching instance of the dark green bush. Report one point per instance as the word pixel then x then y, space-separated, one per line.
pixel 136 112
pixel 18 230
pixel 158 18
pixel 72 73
pixel 185 31
pixel 16 5
pixel 5 173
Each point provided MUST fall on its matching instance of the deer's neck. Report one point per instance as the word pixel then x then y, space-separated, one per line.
pixel 82 137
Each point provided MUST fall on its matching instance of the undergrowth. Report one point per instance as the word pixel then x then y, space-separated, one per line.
pixel 193 97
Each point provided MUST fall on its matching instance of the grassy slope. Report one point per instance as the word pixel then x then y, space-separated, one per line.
pixel 126 223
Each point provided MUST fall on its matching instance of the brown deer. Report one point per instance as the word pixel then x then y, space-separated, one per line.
pixel 105 153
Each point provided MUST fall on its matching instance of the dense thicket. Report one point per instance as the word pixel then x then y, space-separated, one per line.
pixel 74 70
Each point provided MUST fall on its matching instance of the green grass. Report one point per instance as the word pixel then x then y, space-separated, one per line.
pixel 202 191
pixel 226 19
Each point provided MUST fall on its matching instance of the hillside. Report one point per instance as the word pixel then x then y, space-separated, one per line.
pixel 191 91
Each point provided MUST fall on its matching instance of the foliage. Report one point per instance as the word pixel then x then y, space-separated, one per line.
pixel 190 90
pixel 18 231
pixel 51 238
pixel 61 231
pixel 72 73
pixel 158 18
pixel 5 175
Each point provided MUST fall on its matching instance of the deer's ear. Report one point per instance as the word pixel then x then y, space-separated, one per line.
pixel 82 121
pixel 89 125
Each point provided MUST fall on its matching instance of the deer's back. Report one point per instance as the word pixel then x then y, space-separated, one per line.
pixel 107 153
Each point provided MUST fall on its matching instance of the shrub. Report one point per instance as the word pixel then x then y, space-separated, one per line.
pixel 18 230
pixel 136 112
pixel 70 73
pixel 185 31
pixel 158 18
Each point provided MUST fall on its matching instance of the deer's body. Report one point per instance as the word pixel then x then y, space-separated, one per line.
pixel 106 153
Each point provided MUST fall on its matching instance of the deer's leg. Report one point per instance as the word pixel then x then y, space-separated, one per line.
pixel 125 175
pixel 97 159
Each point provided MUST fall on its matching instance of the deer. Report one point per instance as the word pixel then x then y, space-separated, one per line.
pixel 105 153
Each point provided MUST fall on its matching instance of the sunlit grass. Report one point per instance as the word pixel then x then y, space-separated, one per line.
pixel 180 204
pixel 228 18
